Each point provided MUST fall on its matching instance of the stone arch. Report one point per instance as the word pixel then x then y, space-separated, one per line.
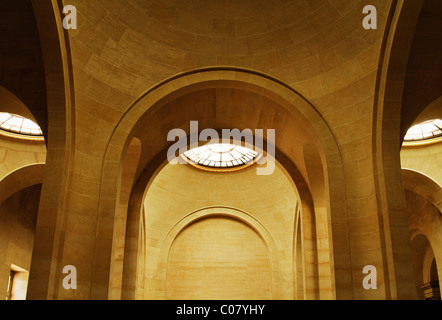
pixel 424 186
pixel 425 264
pixel 423 197
pixel 249 81
pixel 59 137
pixel 304 215
pixel 387 141
pixel 18 215
pixel 20 179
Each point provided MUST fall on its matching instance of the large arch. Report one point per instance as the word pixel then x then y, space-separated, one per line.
pixel 290 102
pixel 45 266
pixel 387 141
pixel 303 214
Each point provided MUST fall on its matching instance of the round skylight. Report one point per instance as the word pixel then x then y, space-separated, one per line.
pixel 425 130
pixel 221 156
pixel 17 124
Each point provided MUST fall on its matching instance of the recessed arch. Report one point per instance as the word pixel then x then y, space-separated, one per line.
pixel 425 265
pixel 59 137
pixel 424 222
pixel 420 245
pixel 133 286
pixel 18 215
pixel 387 141
pixel 178 189
pixel 201 255
pixel 232 213
pixel 424 186
pixel 254 83
pixel 20 179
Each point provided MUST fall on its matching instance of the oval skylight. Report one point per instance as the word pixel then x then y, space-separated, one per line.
pixel 425 130
pixel 221 156
pixel 17 124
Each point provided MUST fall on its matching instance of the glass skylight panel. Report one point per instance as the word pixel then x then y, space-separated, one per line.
pixel 221 155
pixel 425 130
pixel 4 116
pixel 18 124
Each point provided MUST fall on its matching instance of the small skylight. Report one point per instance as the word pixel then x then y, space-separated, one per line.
pixel 221 156
pixel 17 124
pixel 425 130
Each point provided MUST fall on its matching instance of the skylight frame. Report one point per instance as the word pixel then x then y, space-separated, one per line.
pixel 18 125
pixel 424 131
pixel 221 157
